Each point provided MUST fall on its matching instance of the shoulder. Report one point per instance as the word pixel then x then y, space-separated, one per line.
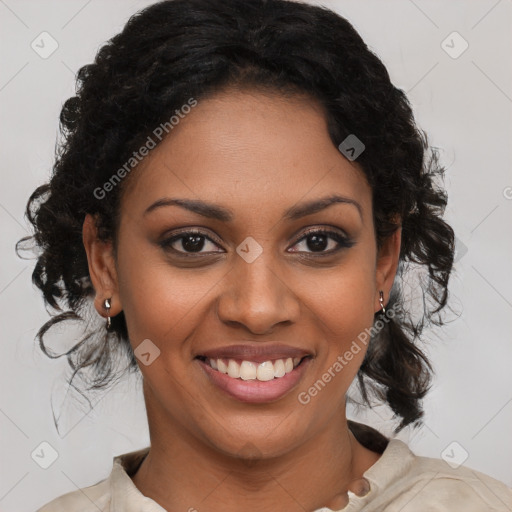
pixel 117 492
pixel 88 499
pixel 434 482
pixel 426 484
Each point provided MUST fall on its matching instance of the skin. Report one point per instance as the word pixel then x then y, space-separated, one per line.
pixel 257 154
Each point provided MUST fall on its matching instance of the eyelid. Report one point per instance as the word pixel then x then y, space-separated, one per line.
pixel 176 235
pixel 325 228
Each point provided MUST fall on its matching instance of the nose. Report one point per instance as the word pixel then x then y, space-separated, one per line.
pixel 258 297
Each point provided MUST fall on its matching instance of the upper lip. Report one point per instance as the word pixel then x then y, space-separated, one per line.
pixel 258 353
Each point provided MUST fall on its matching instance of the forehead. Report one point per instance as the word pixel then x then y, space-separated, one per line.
pixel 241 148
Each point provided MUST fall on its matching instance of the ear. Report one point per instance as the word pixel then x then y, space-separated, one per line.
pixel 387 264
pixel 102 268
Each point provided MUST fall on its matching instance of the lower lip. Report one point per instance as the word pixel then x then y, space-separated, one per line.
pixel 256 391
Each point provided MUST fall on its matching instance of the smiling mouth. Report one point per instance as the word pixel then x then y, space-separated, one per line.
pixel 249 370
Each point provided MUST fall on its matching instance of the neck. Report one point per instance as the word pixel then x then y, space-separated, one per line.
pixel 181 472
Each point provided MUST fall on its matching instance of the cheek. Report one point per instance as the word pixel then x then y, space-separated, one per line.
pixel 155 308
pixel 344 297
pixel 163 303
pixel 345 315
pixel 344 305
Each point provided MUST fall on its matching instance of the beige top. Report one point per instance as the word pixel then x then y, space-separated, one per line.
pixel 400 482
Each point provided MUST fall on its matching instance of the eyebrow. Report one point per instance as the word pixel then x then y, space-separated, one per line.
pixel 213 211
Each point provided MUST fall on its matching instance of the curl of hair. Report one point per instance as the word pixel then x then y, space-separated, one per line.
pixel 175 50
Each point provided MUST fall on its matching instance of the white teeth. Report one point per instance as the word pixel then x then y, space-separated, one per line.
pixel 265 371
pixel 233 369
pixel 249 370
pixel 221 366
pixel 279 370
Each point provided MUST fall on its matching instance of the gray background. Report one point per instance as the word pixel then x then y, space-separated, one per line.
pixel 463 103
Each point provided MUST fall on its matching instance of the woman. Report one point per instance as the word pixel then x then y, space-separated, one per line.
pixel 240 191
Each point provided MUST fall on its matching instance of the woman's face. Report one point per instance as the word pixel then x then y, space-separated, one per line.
pixel 249 283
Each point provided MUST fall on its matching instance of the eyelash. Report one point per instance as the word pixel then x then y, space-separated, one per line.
pixel 343 242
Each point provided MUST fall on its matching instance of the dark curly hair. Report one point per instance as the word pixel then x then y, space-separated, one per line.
pixel 178 49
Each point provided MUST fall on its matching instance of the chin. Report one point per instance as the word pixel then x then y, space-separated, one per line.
pixel 263 439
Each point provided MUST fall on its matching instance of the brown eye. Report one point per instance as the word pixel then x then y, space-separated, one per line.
pixel 189 242
pixel 318 241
